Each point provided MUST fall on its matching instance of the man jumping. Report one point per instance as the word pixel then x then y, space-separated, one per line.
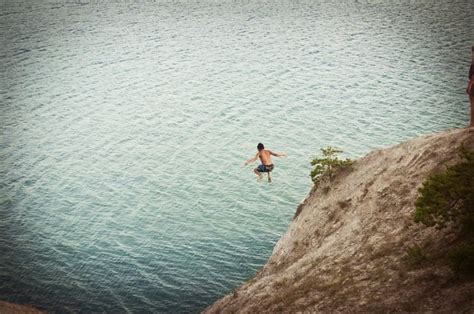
pixel 265 158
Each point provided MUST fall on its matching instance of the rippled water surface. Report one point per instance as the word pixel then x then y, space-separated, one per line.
pixel 125 124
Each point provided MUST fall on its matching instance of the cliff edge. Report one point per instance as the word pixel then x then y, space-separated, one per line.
pixel 353 245
pixel 10 308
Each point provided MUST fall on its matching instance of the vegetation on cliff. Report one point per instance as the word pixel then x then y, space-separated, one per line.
pixel 447 199
pixel 328 163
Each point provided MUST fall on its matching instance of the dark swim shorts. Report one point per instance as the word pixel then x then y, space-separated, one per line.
pixel 265 168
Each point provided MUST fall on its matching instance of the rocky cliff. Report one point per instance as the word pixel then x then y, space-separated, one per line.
pixel 353 245
pixel 9 308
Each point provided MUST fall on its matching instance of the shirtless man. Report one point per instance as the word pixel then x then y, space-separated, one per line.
pixel 265 158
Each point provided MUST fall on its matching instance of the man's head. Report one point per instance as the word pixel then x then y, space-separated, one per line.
pixel 260 146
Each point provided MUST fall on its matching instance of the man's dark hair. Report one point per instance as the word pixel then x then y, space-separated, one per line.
pixel 260 146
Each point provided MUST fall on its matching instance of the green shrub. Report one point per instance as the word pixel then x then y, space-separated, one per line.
pixel 461 259
pixel 448 196
pixel 415 255
pixel 328 163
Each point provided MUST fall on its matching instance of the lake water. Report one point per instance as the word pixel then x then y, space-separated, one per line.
pixel 125 125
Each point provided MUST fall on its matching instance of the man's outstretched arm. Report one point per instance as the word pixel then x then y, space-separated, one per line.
pixel 278 154
pixel 249 161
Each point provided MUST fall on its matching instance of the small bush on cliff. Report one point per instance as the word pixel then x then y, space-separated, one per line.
pixel 415 255
pixel 461 258
pixel 446 198
pixel 328 163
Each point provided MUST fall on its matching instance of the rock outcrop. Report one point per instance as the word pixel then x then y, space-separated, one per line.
pixel 10 308
pixel 353 245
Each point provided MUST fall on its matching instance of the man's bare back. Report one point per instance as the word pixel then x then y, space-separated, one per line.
pixel 266 159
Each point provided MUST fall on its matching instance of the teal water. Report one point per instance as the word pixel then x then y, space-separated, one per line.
pixel 125 125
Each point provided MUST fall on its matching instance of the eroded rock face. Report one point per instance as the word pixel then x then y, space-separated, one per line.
pixel 11 308
pixel 346 249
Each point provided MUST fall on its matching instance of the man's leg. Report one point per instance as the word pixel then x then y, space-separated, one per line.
pixel 258 173
pixel 269 176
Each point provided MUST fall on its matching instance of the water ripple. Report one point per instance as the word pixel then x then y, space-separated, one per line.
pixel 124 127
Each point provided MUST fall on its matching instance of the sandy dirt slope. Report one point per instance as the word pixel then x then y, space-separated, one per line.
pixel 348 246
pixel 9 308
